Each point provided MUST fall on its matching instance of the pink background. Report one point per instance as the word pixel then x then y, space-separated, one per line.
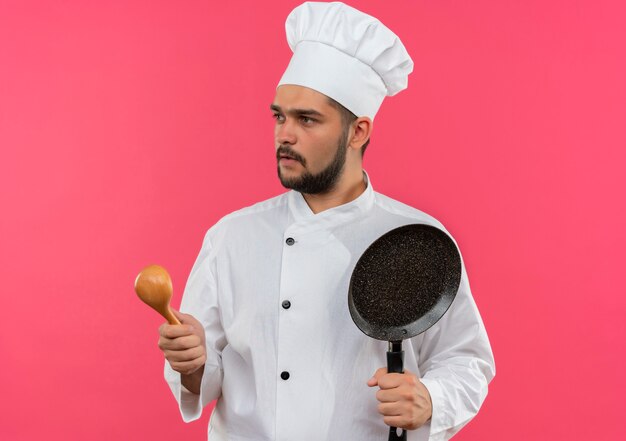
pixel 127 128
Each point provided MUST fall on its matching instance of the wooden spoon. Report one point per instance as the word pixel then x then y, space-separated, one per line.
pixel 153 285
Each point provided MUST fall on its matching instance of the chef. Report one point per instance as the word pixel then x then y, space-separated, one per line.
pixel 266 329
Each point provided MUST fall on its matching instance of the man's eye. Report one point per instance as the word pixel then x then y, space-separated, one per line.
pixel 306 119
pixel 277 116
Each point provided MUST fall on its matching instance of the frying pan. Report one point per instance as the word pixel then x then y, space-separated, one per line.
pixel 404 282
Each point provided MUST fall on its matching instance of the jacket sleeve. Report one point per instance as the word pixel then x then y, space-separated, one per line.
pixel 200 299
pixel 456 364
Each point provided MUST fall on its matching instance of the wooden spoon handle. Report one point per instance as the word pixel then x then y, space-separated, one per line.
pixel 170 317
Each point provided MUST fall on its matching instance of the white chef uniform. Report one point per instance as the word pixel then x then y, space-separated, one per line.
pixel 285 361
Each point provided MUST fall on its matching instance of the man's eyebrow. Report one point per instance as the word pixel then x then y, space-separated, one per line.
pixel 296 112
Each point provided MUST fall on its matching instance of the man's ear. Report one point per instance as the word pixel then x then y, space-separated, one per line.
pixel 362 127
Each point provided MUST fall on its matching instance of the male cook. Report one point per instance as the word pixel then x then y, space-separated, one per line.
pixel 267 330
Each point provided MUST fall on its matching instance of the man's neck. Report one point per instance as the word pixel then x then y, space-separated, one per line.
pixel 349 187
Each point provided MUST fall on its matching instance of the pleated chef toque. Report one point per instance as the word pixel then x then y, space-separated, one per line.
pixel 345 54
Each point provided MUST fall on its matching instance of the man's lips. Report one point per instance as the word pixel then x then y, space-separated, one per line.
pixel 288 160
pixel 288 157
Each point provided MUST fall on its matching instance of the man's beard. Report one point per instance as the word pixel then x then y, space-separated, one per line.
pixel 321 182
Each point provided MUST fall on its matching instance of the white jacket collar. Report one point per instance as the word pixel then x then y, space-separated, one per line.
pixel 350 211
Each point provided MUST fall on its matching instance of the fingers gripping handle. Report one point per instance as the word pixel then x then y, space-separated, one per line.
pixel 395 364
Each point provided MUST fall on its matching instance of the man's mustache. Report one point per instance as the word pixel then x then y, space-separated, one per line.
pixel 285 150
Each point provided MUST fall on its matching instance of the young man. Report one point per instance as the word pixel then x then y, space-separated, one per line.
pixel 267 331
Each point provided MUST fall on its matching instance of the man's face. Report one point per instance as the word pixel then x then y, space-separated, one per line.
pixel 309 139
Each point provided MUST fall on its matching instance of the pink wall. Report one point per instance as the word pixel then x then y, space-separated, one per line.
pixel 127 128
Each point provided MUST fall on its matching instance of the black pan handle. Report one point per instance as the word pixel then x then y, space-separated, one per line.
pixel 395 364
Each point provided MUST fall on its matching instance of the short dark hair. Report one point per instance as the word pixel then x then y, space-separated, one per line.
pixel 347 118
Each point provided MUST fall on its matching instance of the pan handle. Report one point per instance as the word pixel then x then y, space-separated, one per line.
pixel 395 364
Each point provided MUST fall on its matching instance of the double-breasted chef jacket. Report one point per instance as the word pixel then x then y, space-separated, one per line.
pixel 285 361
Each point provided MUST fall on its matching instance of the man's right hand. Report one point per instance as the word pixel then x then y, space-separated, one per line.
pixel 184 348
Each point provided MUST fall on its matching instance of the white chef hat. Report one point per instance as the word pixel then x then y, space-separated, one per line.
pixel 345 54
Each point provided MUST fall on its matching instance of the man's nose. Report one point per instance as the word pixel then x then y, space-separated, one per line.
pixel 285 133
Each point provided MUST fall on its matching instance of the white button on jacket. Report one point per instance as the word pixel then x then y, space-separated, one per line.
pixel 247 268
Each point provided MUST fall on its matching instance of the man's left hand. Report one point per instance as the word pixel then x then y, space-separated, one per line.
pixel 404 400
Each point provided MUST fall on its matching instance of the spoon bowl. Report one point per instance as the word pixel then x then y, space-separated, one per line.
pixel 153 286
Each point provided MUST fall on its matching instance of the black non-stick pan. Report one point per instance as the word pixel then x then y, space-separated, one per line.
pixel 402 285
